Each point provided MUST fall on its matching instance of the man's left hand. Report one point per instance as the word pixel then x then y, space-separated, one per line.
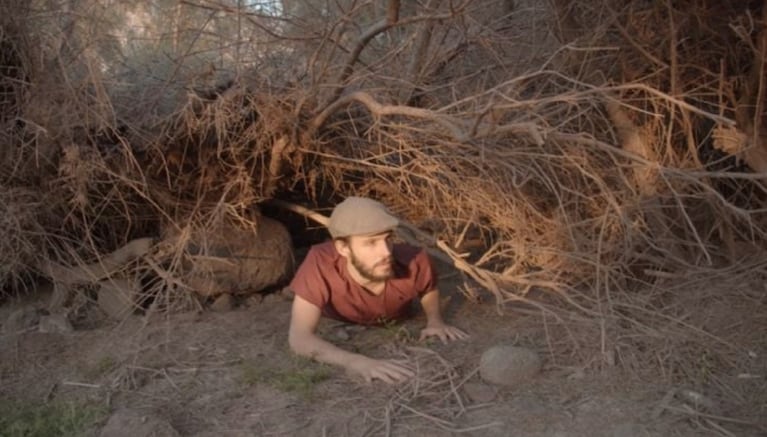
pixel 444 332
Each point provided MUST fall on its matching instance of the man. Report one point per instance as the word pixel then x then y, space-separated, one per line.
pixel 362 277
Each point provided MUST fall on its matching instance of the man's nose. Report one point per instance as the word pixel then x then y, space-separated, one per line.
pixel 386 249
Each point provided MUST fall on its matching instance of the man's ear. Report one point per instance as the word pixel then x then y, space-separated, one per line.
pixel 342 247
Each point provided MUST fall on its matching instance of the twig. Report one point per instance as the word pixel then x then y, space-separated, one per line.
pixel 690 411
pixel 663 404
pixel 302 210
pixel 80 384
pixel 441 422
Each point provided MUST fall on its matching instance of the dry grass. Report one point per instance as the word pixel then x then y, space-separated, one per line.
pixel 24 237
pixel 434 396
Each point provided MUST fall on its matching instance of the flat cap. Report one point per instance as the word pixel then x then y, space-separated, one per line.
pixel 360 216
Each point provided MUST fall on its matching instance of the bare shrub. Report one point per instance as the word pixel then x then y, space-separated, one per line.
pixel 558 153
pixel 23 238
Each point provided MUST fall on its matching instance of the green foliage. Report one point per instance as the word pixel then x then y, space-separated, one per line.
pixel 397 332
pixel 301 381
pixel 300 378
pixel 252 374
pixel 105 364
pixel 100 368
pixel 55 419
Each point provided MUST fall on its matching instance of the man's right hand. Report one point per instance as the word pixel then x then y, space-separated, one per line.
pixel 388 371
pixel 304 342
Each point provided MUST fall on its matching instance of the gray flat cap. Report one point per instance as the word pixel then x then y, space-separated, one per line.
pixel 360 216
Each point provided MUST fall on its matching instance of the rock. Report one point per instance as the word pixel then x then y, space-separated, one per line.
pixel 282 295
pixel 61 295
pixel 341 334
pixel 238 261
pixel 223 303
pixel 55 323
pixel 253 301
pixel 129 423
pixel 21 320
pixel 117 297
pixel 478 392
pixel 578 373
pixel 698 401
pixel 509 365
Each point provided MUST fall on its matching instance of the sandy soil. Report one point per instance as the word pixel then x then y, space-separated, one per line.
pixel 232 374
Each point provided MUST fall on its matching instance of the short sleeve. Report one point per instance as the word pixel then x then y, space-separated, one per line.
pixel 426 277
pixel 309 283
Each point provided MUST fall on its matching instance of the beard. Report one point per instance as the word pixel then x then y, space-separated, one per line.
pixel 369 272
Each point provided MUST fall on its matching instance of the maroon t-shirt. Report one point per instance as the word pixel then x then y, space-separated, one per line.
pixel 323 280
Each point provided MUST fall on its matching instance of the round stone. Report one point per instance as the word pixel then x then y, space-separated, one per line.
pixel 223 303
pixel 117 297
pixel 509 365
pixel 479 392
pixel 55 323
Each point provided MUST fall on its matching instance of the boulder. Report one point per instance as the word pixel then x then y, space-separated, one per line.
pixel 55 323
pixel 21 320
pixel 238 261
pixel 509 365
pixel 479 392
pixel 223 303
pixel 117 297
pixel 341 334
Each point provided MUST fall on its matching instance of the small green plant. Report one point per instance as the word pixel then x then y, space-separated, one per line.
pixel 430 341
pixel 252 374
pixel 397 331
pixel 300 378
pixel 105 364
pixel 55 419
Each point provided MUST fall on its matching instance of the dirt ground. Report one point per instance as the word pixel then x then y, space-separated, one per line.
pixel 232 374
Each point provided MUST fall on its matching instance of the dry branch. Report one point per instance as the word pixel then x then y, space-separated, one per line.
pixel 380 110
pixel 392 20
pixel 106 266
pixel 392 16
pixel 455 126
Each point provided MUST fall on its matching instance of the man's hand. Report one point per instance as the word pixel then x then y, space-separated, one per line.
pixel 443 331
pixel 388 371
pixel 435 327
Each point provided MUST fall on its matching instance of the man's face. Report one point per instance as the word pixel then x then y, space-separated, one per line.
pixel 371 256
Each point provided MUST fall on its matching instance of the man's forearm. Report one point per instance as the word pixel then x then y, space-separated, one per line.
pixel 312 346
pixel 430 305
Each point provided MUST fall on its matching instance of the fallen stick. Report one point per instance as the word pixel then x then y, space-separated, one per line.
pixel 101 269
pixel 80 384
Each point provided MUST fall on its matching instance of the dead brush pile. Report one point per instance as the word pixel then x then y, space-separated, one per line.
pixel 597 175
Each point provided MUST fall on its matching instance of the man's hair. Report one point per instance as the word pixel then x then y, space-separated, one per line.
pixel 344 239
